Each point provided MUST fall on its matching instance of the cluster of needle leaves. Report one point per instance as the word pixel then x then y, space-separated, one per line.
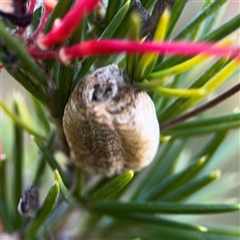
pixel 161 201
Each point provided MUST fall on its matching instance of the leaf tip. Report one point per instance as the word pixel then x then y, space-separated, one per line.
pixel 203 229
pixel 216 174
pixel 56 175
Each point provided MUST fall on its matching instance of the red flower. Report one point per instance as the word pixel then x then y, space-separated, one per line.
pixel 65 27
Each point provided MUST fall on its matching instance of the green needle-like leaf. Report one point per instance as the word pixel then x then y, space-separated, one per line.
pixel 27 61
pixel 112 8
pixel 113 186
pixel 143 218
pixel 226 231
pixel 41 115
pixel 78 191
pixel 212 145
pixel 206 12
pixel 161 168
pixel 28 84
pixel 43 213
pixel 111 28
pixel 223 31
pixel 212 20
pixel 57 213
pixel 36 18
pixel 196 32
pixel 134 34
pixel 42 161
pixel 18 167
pixel 4 208
pixel 65 78
pixel 50 159
pixel 173 109
pixel 67 196
pixel 20 123
pixel 205 126
pixel 175 14
pixel 162 208
pixel 190 188
pixel 174 181
pixel 108 32
pixel 4 216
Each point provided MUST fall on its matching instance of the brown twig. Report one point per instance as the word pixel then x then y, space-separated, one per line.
pixel 230 92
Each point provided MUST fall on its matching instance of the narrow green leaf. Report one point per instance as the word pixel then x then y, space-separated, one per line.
pixel 164 232
pixel 50 159
pixel 173 109
pixel 163 167
pixel 190 188
pixel 67 196
pixel 28 84
pixel 26 60
pixel 222 76
pixel 36 18
pixel 20 123
pixel 41 115
pixel 148 5
pixel 18 168
pixel 229 231
pixel 4 216
pixel 205 126
pixel 57 213
pixel 212 21
pixel 175 15
pixel 163 102
pixel 99 184
pixel 78 191
pixel 196 31
pixel 112 8
pixel 108 32
pixel 3 57
pixel 171 183
pixel 80 34
pixel 224 30
pixel 147 61
pixel 212 145
pixel 134 34
pixel 170 92
pixel 4 206
pixel 43 213
pixel 143 218
pixel 113 186
pixel 202 15
pixel 115 22
pixel 66 75
pixel 42 161
pixel 162 208
pixel 178 68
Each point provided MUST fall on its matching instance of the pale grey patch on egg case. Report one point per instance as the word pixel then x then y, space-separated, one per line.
pixel 110 126
pixel 103 84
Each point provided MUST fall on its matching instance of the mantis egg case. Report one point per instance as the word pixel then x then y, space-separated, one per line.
pixel 110 127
